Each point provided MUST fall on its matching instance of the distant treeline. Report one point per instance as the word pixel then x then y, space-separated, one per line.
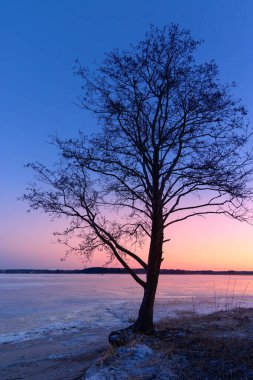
pixel 102 270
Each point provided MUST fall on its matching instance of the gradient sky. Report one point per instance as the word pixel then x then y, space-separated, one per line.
pixel 40 39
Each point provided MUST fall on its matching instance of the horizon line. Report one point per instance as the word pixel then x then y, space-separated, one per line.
pixel 102 268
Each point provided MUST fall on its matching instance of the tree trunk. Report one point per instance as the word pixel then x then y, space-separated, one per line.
pixel 144 322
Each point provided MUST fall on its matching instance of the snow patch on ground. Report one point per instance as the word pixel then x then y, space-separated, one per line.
pixel 135 362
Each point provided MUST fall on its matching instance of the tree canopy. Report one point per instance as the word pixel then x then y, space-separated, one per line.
pixel 172 145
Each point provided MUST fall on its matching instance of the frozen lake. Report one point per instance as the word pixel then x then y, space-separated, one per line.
pixel 33 305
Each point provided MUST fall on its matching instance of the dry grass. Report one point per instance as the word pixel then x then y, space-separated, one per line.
pixel 216 346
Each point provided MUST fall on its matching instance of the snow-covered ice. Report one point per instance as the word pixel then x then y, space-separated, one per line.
pixel 35 305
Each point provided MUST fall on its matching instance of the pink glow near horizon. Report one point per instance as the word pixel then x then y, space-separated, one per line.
pixel 216 243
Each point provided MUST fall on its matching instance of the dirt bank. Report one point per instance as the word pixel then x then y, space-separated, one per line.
pixel 211 347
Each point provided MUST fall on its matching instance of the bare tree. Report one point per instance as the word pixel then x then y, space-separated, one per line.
pixel 172 146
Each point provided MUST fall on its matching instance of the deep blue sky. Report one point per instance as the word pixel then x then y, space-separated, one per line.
pixel 40 39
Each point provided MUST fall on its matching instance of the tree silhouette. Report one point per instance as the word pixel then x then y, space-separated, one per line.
pixel 172 146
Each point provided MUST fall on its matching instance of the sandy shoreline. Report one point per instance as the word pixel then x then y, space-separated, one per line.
pixel 53 357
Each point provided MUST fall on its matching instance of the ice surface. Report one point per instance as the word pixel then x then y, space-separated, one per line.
pixel 34 305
